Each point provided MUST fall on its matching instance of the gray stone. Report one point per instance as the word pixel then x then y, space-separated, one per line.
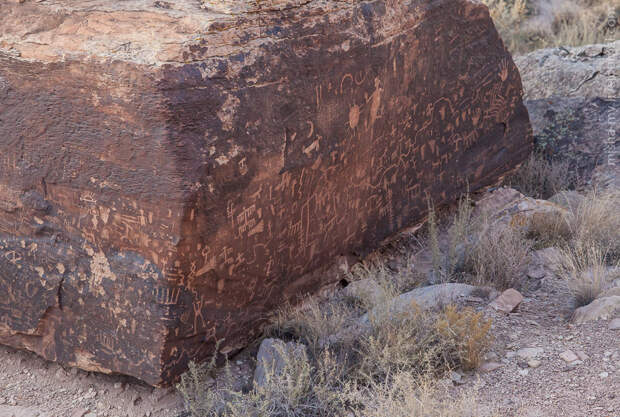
pixel 568 356
pixel 367 290
pixel 601 308
pixel 614 324
pixel 529 353
pixel 489 366
pixel 508 301
pixel 272 357
pixel 534 363
pixel 567 96
pixel 568 199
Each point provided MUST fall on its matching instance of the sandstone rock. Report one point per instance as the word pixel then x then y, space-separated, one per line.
pixel 430 297
pixel 171 175
pixel 424 298
pixel 534 363
pixel 489 366
pixel 508 207
pixel 570 200
pixel 367 290
pixel 572 95
pixel 508 301
pixel 614 324
pixel 601 308
pixel 272 358
pixel 568 356
pixel 529 353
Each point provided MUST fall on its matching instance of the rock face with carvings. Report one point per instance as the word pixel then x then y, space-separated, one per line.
pixel 172 172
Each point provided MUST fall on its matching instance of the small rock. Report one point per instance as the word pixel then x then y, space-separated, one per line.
pixel 367 290
pixel 582 355
pixel 79 412
pixel 529 353
pixel 524 372
pixel 536 272
pixel 614 324
pixel 568 356
pixel 90 394
pixel 490 366
pixel 534 363
pixel 601 308
pixel 271 358
pixel 603 375
pixel 456 378
pixel 508 301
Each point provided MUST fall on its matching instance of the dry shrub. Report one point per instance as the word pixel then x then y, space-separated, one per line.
pixel 422 343
pixel 539 177
pixel 302 388
pixel 407 396
pixel 468 332
pixel 313 322
pixel 448 257
pixel 527 25
pixel 549 229
pixel 508 16
pixel 499 256
pixel 585 272
pixel 385 373
pixel 579 24
pixel 595 221
pixel 400 343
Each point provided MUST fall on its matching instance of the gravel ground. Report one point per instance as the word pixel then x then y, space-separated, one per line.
pixel 531 379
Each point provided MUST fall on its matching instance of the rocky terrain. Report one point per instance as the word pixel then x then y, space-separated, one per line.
pixel 547 358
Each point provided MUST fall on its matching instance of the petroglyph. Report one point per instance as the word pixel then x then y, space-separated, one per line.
pixel 182 201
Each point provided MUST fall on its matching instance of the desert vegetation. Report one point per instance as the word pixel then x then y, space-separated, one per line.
pixel 356 355
pixel 390 367
pixel 526 25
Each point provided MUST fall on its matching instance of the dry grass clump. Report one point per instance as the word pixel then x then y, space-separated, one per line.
pixel 549 229
pixel 301 389
pixel 407 396
pixel 314 322
pixel 595 221
pixel 539 177
pixel 421 343
pixel 476 251
pixel 585 272
pixel 449 256
pixel 589 238
pixel 499 256
pixel 525 25
pixel 389 367
pixel 592 221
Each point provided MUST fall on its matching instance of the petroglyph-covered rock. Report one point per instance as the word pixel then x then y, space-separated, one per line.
pixel 173 171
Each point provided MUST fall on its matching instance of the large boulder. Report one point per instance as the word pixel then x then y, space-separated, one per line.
pixel 173 171
pixel 573 98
